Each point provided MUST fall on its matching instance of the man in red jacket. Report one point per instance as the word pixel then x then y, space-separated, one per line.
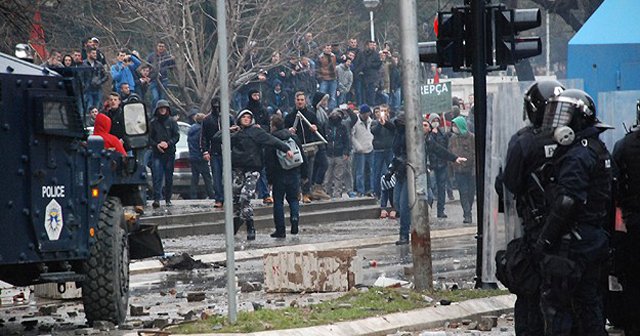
pixel 102 127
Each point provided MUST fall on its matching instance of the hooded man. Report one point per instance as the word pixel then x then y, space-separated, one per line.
pixel 462 144
pixel 362 141
pixel 101 128
pixel 439 165
pixel 199 166
pixel 213 152
pixel 163 136
pixel 247 144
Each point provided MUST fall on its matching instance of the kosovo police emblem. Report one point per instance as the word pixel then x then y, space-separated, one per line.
pixel 53 220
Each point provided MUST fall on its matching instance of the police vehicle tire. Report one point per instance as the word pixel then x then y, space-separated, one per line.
pixel 105 290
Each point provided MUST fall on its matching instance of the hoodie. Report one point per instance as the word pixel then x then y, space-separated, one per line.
pixel 260 114
pixel 462 144
pixel 101 128
pixel 163 128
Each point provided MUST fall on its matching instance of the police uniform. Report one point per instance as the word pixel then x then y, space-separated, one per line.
pixel 573 244
pixel 626 155
pixel 529 149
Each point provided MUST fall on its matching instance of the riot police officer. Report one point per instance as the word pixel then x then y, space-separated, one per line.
pixel 626 155
pixel 573 244
pixel 529 149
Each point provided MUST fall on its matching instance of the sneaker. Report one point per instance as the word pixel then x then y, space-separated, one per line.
pixel 442 215
pixel 155 204
pixel 351 194
pixel 383 214
pixel 279 235
pixel 168 203
pixel 267 200
pixel 218 205
pixel 294 229
pixel 466 220
pixel 402 241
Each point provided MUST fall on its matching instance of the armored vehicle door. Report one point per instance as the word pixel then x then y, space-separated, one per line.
pixel 58 186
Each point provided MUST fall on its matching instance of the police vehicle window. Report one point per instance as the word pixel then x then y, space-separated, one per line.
pixel 59 117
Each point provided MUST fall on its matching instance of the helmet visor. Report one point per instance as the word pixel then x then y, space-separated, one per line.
pixel 558 113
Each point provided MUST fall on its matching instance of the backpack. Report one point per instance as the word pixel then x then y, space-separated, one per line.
pixel 290 163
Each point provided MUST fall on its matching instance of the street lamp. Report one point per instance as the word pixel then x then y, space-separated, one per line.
pixel 371 4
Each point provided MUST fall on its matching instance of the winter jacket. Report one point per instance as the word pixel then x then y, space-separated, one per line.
pixel 369 64
pixel 382 135
pixel 101 128
pixel 463 145
pixel 193 140
pixel 160 64
pixel 210 126
pixel 441 139
pixel 361 136
pixel 117 124
pixel 247 145
pixel 303 131
pixel 163 128
pixel 274 169
pixel 260 114
pixel 345 78
pixel 94 79
pixel 326 67
pixel 122 73
pixel 338 140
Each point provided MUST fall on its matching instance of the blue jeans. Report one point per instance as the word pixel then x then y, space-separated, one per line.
pixel 162 169
pixel 93 98
pixel 381 160
pixel 157 92
pixel 286 185
pixel 263 186
pixel 216 172
pixel 359 160
pixel 200 167
pixel 401 202
pixel 329 87
pixel 466 187
pixel 441 187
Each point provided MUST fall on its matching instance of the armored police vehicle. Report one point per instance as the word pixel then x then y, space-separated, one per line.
pixel 62 193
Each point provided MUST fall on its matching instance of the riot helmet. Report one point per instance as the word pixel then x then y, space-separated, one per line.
pixel 536 98
pixel 568 113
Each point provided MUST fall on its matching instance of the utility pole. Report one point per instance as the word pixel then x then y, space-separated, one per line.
pixel 479 71
pixel 221 16
pixel 416 167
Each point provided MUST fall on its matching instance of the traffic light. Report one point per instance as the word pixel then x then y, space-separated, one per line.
pixel 451 36
pixel 510 48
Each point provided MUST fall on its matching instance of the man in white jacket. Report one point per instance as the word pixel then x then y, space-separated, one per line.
pixel 362 144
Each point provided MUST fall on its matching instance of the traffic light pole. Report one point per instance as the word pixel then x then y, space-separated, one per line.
pixel 479 71
pixel 416 167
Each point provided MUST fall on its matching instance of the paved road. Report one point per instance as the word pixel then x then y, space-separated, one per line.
pixel 162 295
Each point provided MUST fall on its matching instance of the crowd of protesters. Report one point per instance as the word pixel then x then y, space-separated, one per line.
pixel 340 106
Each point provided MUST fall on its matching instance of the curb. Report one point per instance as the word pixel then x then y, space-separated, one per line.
pixel 414 320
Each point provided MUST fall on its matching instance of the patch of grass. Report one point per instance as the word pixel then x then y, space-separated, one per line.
pixel 351 306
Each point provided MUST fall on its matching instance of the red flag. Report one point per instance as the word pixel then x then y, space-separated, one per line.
pixel 36 37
